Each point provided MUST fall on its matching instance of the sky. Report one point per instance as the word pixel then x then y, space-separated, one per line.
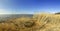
pixel 29 6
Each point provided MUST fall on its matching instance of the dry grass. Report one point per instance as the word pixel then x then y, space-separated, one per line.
pixel 39 22
pixel 51 22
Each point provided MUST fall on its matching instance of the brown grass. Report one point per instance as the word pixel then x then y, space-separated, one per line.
pixel 39 22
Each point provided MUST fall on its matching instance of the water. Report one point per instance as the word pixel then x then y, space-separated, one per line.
pixel 10 16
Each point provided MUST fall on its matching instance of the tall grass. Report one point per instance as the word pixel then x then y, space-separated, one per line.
pixel 39 22
pixel 49 22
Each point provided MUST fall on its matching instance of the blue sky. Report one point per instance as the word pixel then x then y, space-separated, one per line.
pixel 29 6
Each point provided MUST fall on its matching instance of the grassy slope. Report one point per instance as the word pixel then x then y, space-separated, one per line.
pixel 39 22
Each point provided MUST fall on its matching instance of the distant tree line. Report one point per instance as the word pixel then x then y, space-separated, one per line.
pixel 57 13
